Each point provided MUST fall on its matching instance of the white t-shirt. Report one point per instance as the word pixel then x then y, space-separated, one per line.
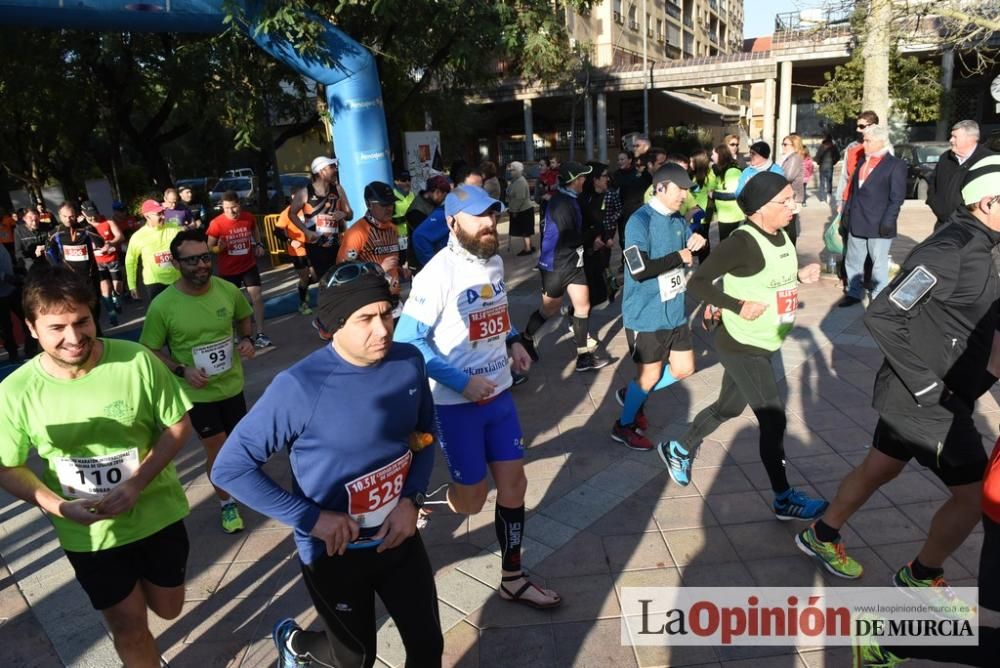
pixel 464 301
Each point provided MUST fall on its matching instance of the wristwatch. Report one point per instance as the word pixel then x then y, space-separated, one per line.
pixel 179 370
pixel 418 499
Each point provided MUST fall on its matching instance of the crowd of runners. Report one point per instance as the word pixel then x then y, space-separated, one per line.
pixel 413 306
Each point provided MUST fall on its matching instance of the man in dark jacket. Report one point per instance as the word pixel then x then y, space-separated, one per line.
pixel 935 324
pixel 877 191
pixel 944 193
pixel 431 198
pixel 30 239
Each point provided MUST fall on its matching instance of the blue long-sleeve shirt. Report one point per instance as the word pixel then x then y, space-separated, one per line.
pixel 431 236
pixel 750 172
pixel 347 430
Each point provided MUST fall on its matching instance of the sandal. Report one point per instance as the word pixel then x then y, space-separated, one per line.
pixel 516 597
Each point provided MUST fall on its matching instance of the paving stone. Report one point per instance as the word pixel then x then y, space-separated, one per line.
pixel 761 540
pixel 630 516
pixel 584 555
pixel 739 508
pixel 731 574
pixel 683 513
pixel 885 525
pixel 637 551
pixel 582 506
pixel 462 591
pixel 704 545
pixel 721 480
pixel 525 646
pixel 592 643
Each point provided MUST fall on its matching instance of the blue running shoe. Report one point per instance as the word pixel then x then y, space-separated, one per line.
pixel 678 462
pixel 796 505
pixel 283 630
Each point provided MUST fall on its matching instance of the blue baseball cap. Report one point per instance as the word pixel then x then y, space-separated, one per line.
pixel 471 199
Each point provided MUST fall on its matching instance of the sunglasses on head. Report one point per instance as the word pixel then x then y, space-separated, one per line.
pixel 352 271
pixel 194 260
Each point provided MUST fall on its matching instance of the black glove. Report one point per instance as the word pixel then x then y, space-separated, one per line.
pixel 885 230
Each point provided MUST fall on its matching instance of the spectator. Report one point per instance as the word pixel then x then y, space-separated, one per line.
pixel 631 184
pixel 30 240
pixel 429 200
pixel 522 212
pixel 732 144
pixel 7 225
pixel 944 194
pixel 491 184
pixel 197 211
pixel 852 155
pixel 827 156
pixel 174 211
pixel 760 161
pixel 10 304
pixel 877 190
pixel 791 164
pixel 727 174
pixel 598 239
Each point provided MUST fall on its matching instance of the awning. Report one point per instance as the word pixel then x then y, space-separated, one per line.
pixel 704 105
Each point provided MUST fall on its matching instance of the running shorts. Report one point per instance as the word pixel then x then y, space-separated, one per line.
pixel 554 283
pixel 949 445
pixel 474 435
pixel 217 417
pixel 653 347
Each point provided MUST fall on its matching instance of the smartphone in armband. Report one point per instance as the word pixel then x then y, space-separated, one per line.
pixel 633 260
pixel 913 288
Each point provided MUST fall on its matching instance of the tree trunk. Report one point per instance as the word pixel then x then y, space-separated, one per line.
pixel 876 54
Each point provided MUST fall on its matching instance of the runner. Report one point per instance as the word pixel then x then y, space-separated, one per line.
pixel 758 301
pixel 109 268
pixel 374 238
pixel 109 485
pixel 561 267
pixel 197 211
pixel 404 198
pixel 457 316
pixel 73 245
pixel 176 212
pixel 935 323
pixel 658 246
pixel 190 327
pixel 30 241
pixel 151 242
pixel 355 492
pixel 233 235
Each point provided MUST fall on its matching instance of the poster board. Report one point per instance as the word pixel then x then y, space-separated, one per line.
pixel 423 157
pixel 99 192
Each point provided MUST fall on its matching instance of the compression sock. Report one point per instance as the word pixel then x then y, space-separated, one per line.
pixel 825 532
pixel 921 572
pixel 509 524
pixel 580 326
pixel 303 294
pixel 535 323
pixel 666 379
pixel 635 397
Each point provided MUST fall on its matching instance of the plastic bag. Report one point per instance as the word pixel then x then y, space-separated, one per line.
pixel 831 238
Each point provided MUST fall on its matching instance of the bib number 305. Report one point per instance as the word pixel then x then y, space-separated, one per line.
pixel 488 323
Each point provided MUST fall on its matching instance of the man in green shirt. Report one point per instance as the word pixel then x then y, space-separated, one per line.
pixel 109 485
pixel 190 327
pixel 151 243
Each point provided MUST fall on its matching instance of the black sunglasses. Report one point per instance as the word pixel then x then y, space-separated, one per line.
pixel 862 127
pixel 193 260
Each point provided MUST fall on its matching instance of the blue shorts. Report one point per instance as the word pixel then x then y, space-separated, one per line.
pixel 474 435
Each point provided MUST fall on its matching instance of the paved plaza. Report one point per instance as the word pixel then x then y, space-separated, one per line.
pixel 600 516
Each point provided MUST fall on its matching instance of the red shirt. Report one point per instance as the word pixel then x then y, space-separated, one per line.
pixel 236 243
pixel 103 228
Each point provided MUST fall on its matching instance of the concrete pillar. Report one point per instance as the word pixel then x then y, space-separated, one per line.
pixel 602 128
pixel 769 103
pixel 784 102
pixel 943 129
pixel 428 122
pixel 588 127
pixel 529 132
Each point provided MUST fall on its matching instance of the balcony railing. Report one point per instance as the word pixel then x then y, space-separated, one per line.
pixel 619 18
pixel 674 10
pixel 634 25
pixel 689 22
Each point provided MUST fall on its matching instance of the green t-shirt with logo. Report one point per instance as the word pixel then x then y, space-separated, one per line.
pixel 92 432
pixel 199 331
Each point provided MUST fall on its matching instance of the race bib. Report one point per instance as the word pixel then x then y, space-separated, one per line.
pixel 672 283
pixel 788 302
pixel 163 259
pixel 372 497
pixel 76 253
pixel 94 477
pixel 404 243
pixel 238 248
pixel 214 358
pixel 326 230
pixel 489 323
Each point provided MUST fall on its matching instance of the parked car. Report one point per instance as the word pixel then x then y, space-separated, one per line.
pixel 921 159
pixel 242 185
pixel 290 183
pixel 201 185
pixel 241 171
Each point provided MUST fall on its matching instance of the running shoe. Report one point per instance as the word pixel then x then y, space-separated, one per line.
pixel 641 421
pixel 831 555
pixel 629 435
pixel 529 346
pixel 796 505
pixel 865 650
pixel 304 309
pixel 261 341
pixel 281 633
pixel 934 592
pixel 590 362
pixel 231 520
pixel 678 463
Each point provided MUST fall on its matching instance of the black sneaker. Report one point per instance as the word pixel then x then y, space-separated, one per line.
pixel 590 362
pixel 529 347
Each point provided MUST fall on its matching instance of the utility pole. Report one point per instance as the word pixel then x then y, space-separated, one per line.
pixel 645 70
pixel 876 54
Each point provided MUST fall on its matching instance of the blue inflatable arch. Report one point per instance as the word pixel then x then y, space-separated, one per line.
pixel 353 92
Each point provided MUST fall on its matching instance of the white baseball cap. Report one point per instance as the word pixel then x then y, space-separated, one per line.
pixel 320 162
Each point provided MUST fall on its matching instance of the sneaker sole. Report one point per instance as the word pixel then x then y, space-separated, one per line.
pixel 911 592
pixel 621 440
pixel 822 562
pixel 666 462
pixel 592 368
pixel 788 518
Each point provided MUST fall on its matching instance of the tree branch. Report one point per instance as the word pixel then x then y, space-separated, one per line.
pixel 296 130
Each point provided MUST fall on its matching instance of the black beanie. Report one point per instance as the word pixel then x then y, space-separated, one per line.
pixel 761 148
pixel 339 301
pixel 759 190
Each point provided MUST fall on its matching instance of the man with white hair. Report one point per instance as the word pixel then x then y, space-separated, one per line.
pixel 944 188
pixel 522 211
pixel 877 190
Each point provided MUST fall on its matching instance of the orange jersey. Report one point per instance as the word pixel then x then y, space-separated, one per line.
pixel 296 237
pixel 7 226
pixel 368 243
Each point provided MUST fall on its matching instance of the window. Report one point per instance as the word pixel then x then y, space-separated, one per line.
pixel 659 29
pixel 633 20
pixel 617 9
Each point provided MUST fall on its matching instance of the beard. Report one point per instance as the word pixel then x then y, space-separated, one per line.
pixel 483 245
pixel 197 277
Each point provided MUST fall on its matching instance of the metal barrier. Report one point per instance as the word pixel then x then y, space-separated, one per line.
pixel 275 247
